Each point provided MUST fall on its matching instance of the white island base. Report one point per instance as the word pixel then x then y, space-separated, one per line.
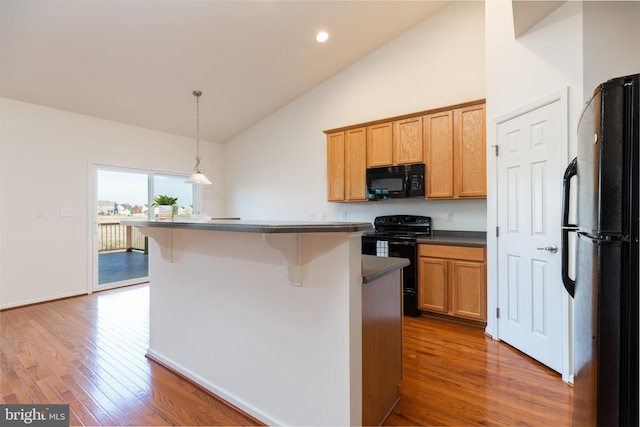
pixel 271 322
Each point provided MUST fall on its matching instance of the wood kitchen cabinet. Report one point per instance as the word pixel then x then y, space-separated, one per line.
pixel 395 143
pixel 453 281
pixel 471 156
pixel 455 153
pixel 439 155
pixel 450 141
pixel 335 167
pixel 407 141
pixel 380 145
pixel 346 165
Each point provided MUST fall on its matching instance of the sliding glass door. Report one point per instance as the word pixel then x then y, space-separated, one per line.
pixel 120 251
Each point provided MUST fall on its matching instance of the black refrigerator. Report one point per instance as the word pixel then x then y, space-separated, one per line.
pixel 605 286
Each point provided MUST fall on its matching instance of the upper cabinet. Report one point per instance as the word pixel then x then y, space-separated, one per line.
pixel 380 145
pixel 438 134
pixel 471 154
pixel 346 165
pixel 395 143
pixel 407 141
pixel 355 158
pixel 450 141
pixel 455 153
pixel 335 167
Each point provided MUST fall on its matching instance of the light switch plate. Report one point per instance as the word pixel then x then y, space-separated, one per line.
pixel 68 212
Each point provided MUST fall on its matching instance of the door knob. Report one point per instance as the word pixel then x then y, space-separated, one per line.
pixel 551 248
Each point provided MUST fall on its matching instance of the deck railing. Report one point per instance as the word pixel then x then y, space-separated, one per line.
pixel 113 236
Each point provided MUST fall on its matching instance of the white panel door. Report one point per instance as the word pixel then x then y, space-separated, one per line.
pixel 531 161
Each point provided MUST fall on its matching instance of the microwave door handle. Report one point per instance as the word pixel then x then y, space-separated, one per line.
pixel 407 184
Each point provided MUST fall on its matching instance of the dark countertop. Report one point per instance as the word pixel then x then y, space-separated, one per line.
pixel 375 267
pixel 457 238
pixel 249 226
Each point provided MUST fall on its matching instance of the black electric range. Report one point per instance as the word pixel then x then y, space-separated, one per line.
pixel 396 236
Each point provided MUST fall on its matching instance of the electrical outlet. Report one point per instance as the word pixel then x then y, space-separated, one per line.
pixel 68 212
pixel 39 212
pixel 448 216
pixel 311 216
pixel 323 216
pixel 344 215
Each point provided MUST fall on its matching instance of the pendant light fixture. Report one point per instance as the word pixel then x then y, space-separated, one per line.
pixel 198 172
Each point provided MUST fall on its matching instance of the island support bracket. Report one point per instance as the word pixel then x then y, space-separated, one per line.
pixel 164 238
pixel 290 246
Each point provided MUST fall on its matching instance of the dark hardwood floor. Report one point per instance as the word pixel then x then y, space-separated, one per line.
pixel 89 352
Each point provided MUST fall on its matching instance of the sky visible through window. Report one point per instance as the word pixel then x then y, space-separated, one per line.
pixel 175 187
pixel 131 188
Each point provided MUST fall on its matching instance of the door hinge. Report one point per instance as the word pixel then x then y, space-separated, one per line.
pixel 497 231
pixel 498 312
pixel 496 148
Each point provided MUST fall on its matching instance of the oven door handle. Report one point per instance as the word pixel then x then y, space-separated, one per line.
pixel 401 243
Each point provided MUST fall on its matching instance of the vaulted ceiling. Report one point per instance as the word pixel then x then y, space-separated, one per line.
pixel 137 62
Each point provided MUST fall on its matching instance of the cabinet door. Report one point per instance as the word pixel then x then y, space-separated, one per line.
pixel 471 159
pixel 439 155
pixel 407 136
pixel 432 292
pixel 355 164
pixel 335 166
pixel 468 283
pixel 380 145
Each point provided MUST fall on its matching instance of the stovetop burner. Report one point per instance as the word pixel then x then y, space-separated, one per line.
pixel 401 227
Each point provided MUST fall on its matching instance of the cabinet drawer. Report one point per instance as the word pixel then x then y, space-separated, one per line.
pixel 453 252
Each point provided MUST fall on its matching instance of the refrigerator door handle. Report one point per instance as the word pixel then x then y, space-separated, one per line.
pixel 571 171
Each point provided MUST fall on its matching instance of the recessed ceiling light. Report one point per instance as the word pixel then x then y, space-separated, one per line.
pixel 322 37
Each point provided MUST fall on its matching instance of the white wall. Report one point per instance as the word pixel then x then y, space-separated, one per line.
pixel 611 41
pixel 45 155
pixel 578 46
pixel 520 71
pixel 277 169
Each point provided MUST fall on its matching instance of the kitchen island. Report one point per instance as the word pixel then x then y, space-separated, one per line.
pixel 266 315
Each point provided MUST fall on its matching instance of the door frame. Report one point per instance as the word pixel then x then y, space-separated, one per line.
pixel 492 328
pixel 92 240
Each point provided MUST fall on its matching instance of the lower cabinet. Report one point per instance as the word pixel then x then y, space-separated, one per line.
pixel 453 280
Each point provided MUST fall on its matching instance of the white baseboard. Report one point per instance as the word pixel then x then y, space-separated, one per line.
pixel 221 393
pixel 41 300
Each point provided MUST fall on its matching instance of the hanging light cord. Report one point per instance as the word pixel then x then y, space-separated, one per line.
pixel 198 167
pixel 198 171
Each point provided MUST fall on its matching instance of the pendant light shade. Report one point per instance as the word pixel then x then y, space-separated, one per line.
pixel 198 171
pixel 198 178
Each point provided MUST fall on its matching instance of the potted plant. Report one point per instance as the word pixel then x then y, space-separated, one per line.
pixel 165 206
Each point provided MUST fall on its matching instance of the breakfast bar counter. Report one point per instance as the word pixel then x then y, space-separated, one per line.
pixel 268 315
pixel 237 225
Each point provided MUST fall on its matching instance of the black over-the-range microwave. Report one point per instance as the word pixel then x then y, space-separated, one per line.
pixel 395 182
